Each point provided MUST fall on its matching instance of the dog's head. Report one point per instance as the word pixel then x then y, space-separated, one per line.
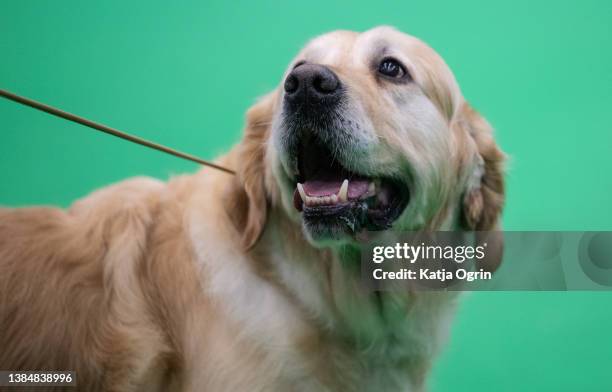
pixel 367 132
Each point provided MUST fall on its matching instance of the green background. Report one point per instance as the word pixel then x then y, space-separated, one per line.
pixel 184 75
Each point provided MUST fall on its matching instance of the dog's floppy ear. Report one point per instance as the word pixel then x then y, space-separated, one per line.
pixel 483 199
pixel 246 200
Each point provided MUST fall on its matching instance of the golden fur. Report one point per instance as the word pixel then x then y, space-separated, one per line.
pixel 207 283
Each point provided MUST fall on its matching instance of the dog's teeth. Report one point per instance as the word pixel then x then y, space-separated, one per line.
pixel 342 196
pixel 371 191
pixel 303 195
pixel 343 192
pixel 372 188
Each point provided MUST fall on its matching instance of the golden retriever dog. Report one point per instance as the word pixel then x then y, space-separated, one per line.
pixel 214 282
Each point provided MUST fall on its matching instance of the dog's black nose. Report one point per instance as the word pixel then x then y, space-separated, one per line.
pixel 313 83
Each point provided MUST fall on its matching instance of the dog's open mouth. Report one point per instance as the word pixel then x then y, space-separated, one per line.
pixel 333 199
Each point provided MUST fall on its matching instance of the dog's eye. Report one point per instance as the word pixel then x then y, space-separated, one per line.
pixel 392 68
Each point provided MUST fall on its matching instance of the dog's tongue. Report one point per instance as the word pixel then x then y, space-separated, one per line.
pixel 328 187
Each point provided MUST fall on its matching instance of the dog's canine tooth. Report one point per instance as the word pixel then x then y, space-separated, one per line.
pixel 343 192
pixel 372 188
pixel 303 195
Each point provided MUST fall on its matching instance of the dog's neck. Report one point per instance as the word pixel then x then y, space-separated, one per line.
pixel 391 331
pixel 327 284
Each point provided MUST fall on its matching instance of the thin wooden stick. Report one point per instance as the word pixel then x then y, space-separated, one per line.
pixel 109 130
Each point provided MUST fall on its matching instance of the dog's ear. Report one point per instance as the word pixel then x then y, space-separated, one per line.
pixel 483 199
pixel 246 201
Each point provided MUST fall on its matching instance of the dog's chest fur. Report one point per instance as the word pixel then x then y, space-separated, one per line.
pixel 302 322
